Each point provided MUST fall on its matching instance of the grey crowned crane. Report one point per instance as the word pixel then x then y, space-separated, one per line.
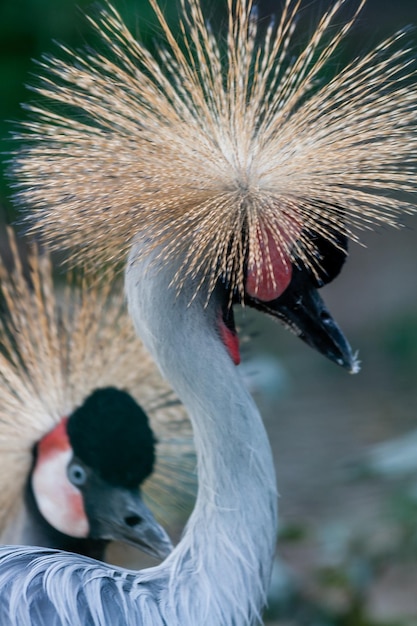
pixel 231 172
pixel 75 446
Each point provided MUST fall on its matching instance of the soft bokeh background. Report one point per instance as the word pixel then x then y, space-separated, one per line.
pixel 348 539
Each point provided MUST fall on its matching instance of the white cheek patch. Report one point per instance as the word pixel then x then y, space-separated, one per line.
pixel 60 503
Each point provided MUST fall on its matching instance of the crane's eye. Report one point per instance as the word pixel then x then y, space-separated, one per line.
pixel 77 474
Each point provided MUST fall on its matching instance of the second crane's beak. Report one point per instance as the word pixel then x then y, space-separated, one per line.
pixel 118 513
pixel 301 309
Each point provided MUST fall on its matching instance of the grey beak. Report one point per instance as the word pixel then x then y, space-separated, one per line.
pixel 301 309
pixel 118 513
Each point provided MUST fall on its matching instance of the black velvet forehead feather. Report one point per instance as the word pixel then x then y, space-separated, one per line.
pixel 111 434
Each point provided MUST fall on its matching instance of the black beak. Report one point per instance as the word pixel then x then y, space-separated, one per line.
pixel 119 513
pixel 301 309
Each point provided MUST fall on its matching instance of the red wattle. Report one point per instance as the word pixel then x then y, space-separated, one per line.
pixel 231 341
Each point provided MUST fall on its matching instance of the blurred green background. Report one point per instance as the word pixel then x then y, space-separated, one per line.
pixel 348 540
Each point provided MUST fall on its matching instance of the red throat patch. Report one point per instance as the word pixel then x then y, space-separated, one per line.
pixel 230 340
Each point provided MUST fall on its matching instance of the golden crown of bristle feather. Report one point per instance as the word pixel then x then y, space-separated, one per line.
pixel 56 347
pixel 218 142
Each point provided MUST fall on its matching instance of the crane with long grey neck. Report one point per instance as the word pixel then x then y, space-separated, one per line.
pixel 228 544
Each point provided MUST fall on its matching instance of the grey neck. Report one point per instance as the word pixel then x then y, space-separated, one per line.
pixel 229 541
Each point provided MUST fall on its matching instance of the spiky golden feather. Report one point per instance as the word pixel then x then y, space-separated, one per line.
pixel 56 347
pixel 219 144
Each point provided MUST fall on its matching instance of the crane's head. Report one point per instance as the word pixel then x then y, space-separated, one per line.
pixel 88 471
pixel 249 162
pixel 292 297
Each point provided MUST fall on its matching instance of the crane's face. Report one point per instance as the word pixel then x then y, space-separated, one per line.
pixel 289 293
pixel 75 500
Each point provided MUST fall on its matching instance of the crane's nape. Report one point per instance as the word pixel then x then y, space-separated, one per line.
pixel 232 172
pixel 75 443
